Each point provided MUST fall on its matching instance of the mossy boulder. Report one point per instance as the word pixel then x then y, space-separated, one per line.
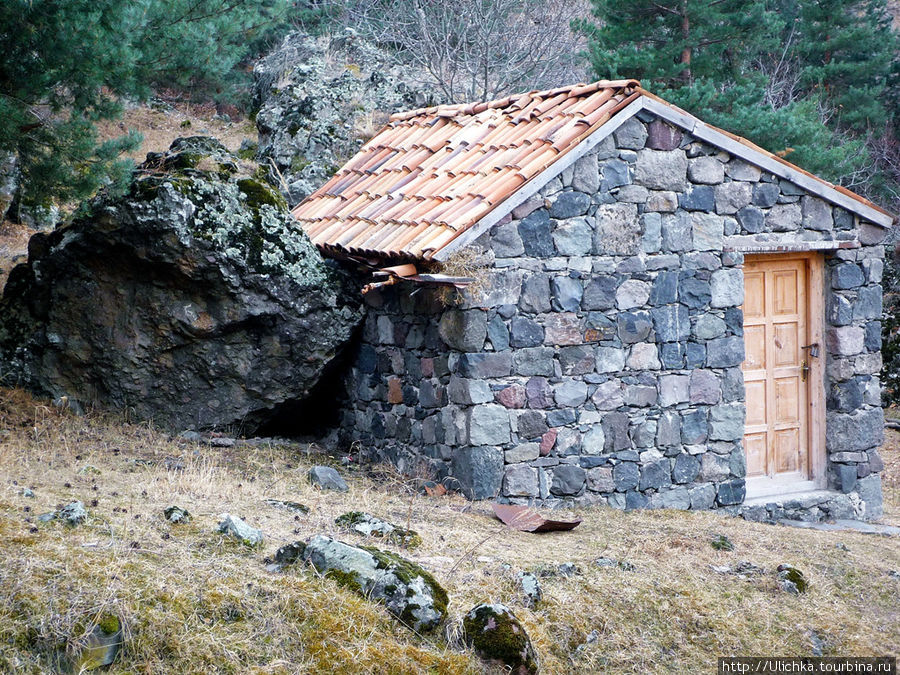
pixel 371 526
pixel 497 636
pixel 99 647
pixel 792 580
pixel 194 301
pixel 408 591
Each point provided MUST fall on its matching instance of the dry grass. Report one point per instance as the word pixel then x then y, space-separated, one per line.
pixel 195 603
pixel 13 247
pixel 160 127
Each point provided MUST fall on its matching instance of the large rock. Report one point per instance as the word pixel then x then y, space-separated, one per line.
pixel 409 592
pixel 498 637
pixel 318 102
pixel 193 301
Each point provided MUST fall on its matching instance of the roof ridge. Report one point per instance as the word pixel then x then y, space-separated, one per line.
pixel 475 107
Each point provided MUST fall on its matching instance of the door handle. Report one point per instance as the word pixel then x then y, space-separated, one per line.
pixel 804 371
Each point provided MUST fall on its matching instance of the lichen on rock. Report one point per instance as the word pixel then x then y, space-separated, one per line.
pixel 194 301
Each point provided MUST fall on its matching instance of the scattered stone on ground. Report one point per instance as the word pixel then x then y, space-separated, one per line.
pixel 722 543
pixel 612 562
pixel 792 580
pixel 73 513
pixel 101 645
pixel 844 525
pixel 237 528
pixel 27 492
pixel 220 283
pixel 176 514
pixel 89 470
pixel 498 637
pixel 531 589
pixel 566 569
pixel 327 478
pixel 46 517
pixel 817 642
pixel 222 442
pixel 370 526
pixel 743 569
pixel 409 592
pixel 288 506
pixel 284 556
pixel 589 639
pixel 894 574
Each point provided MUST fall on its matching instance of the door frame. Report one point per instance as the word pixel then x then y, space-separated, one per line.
pixel 815 382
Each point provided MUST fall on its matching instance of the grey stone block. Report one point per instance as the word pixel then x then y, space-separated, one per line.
pixel 570 393
pixel 479 471
pixel 668 430
pixel 709 326
pixel 633 326
pixel 847 275
pixel 599 293
pixel 566 294
pixel 705 387
pixel 784 218
pixel 845 340
pixel 610 359
pixel 727 288
pixel 586 175
pixel 568 479
pixel 698 198
pixel 535 361
pixel 632 293
pixel 694 426
pixel 714 467
pixel 538 393
pixel 738 169
pixel 632 135
pixel 626 476
pixel 706 170
pixel 673 389
pixel 615 428
pixel 765 195
pixel 726 422
pixel 860 431
pixel 751 219
pixel 661 201
pixel 708 231
pixel 531 424
pixel 732 197
pixel 520 481
pixel 506 241
pixel 464 330
pixel 609 395
pixel 569 204
pixel 600 479
pixel 573 237
pixel 535 233
pixel 676 232
pixel 816 213
pixel 702 497
pixel 497 364
pixel 656 475
pixel 725 352
pixel 694 292
pixel 524 332
pixel 671 323
pixel 488 424
pixel 869 490
pixel 661 170
pixel 643 356
pixel 576 360
pixel 497 333
pixel 686 468
pixel 535 297
pixel 665 288
pixel 615 173
pixel 618 229
pixel 731 492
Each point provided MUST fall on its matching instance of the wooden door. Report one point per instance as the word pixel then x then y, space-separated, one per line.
pixel 776 370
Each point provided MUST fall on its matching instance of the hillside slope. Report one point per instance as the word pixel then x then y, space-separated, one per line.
pixel 194 602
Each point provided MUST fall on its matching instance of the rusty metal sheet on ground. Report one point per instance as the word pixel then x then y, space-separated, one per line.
pixel 525 519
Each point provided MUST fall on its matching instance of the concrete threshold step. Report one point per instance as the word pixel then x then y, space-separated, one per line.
pixel 844 525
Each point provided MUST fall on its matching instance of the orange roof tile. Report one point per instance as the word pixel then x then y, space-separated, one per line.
pixel 430 174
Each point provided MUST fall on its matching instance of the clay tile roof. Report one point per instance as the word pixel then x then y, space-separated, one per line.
pixel 431 174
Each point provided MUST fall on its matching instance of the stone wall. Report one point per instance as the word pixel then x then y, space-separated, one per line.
pixel 601 362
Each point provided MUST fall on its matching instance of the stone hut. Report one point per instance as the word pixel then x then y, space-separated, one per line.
pixel 665 314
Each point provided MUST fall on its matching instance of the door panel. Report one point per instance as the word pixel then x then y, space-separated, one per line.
pixel 775 334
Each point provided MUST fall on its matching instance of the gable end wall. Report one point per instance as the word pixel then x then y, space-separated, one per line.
pixel 601 361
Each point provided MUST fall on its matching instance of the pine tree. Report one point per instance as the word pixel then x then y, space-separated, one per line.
pixel 800 77
pixel 66 64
